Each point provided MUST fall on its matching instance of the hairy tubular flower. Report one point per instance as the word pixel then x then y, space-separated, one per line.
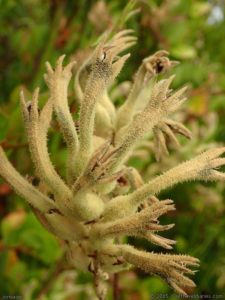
pixel 89 209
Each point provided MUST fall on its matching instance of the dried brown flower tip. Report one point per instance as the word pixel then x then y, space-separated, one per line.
pixel 158 63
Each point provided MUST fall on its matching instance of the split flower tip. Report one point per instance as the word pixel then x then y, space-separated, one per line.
pixel 158 63
pixel 119 43
pixel 211 161
pixel 123 35
pixel 164 135
pixel 177 127
pixel 59 69
pixel 29 107
pixel 170 267
pixel 214 152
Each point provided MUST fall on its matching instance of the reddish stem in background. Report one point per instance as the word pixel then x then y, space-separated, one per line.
pixel 116 290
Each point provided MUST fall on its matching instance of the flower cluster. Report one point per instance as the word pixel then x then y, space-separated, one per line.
pixel 102 199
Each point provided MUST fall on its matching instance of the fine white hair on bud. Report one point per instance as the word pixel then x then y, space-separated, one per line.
pixel 101 198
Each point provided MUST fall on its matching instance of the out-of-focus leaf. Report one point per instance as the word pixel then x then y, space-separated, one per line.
pixel 199 9
pixel 183 51
pixel 198 102
pixel 31 235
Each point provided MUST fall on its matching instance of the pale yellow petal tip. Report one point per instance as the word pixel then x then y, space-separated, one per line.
pixel 22 96
pixel 48 67
pixel 60 59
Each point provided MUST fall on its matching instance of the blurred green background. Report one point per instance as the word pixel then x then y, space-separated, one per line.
pixel 33 31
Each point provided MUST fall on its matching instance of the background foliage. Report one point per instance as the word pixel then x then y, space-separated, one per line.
pixel 33 31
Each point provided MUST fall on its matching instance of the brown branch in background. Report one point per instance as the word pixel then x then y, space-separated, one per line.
pixel 6 145
pixel 116 290
pixel 49 281
pixel 217 93
pixel 54 6
pixel 20 249
pixel 61 265
pixel 152 20
pixel 154 26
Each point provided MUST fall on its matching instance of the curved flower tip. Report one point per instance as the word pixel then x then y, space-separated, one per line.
pixel 158 63
pixel 164 99
pixel 164 136
pixel 207 164
pixel 159 240
pixel 172 268
pixel 177 127
pixel 59 72
pixel 108 51
pixel 30 108
pixel 122 40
